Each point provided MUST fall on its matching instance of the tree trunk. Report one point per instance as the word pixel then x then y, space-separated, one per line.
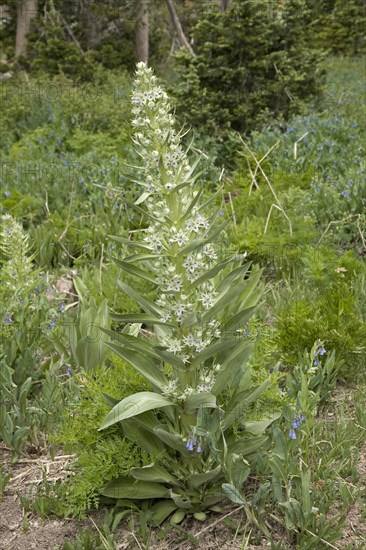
pixel 26 11
pixel 142 31
pixel 178 27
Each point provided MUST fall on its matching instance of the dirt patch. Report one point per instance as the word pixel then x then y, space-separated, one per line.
pixel 37 535
pixel 20 530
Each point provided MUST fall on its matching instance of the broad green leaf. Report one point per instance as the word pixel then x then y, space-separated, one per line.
pixel 196 400
pixel 136 271
pixel 189 320
pixel 144 365
pixel 148 421
pixel 200 516
pixel 232 365
pixel 279 442
pixel 142 437
pixel 246 446
pixel 125 487
pixel 178 517
pixel 232 493
pixel 180 501
pixel 259 426
pixel 211 500
pixel 196 480
pixel 236 413
pixel 276 465
pixel 133 405
pixel 153 472
pixel 161 511
pixel 239 470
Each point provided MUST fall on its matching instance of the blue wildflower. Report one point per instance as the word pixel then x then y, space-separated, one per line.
pixel 316 363
pixel 322 351
pixel 298 420
pixel 292 434
pixel 8 319
pixel 68 372
pixel 345 194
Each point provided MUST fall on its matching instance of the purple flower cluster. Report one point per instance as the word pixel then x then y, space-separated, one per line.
pixel 8 319
pixel 298 420
pixel 321 352
pixel 194 444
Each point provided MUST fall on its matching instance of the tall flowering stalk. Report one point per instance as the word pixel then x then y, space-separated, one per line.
pixel 192 352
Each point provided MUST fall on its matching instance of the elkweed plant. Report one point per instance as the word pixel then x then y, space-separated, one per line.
pixel 189 343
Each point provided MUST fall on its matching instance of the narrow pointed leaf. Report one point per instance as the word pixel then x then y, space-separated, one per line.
pixel 111 401
pixel 136 271
pixel 142 198
pixel 237 320
pixel 123 240
pixel 170 358
pixel 174 441
pixel 228 298
pixel 213 349
pixel 141 257
pixel 142 318
pixel 232 365
pixel 144 365
pixel 132 342
pixel 210 273
pixel 146 304
pixel 233 276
